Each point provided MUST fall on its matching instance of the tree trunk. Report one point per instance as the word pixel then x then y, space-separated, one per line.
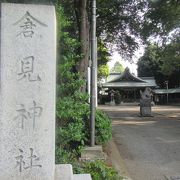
pixel 83 25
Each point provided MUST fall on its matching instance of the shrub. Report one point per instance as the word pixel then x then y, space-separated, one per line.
pixel 70 131
pixel 64 156
pixel 103 127
pixel 73 132
pixel 98 170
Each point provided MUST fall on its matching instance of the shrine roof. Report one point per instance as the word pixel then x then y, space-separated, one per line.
pixel 167 91
pixel 127 79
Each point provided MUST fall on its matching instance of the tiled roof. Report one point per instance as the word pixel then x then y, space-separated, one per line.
pixel 127 79
pixel 165 91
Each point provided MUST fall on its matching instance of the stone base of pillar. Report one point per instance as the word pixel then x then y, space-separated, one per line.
pixel 65 172
pixel 145 111
pixel 93 153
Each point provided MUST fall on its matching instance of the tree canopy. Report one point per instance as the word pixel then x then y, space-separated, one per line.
pixel 170 55
pixel 150 64
pixel 117 68
pixel 162 18
pixel 161 62
pixel 120 22
pixel 126 23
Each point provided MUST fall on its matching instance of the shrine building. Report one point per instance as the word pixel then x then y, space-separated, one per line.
pixel 128 85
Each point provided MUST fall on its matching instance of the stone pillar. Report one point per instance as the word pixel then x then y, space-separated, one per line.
pixel 27 94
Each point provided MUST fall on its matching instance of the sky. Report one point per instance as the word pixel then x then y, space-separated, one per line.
pixel 132 66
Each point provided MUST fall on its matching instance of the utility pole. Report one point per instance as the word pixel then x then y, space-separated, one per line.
pixel 93 62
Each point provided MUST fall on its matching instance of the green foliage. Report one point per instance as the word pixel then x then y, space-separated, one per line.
pixel 103 71
pixel 171 57
pixel 72 107
pixel 150 64
pixel 120 21
pixel 117 68
pixel 103 53
pixel 64 156
pixel 162 62
pixel 161 18
pixel 103 127
pixel 99 170
pixel 72 117
pixel 73 132
pixel 126 22
pixel 72 112
pixel 102 60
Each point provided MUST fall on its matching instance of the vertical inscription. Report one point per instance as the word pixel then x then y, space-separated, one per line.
pixel 27 70
pixel 27 25
pixel 30 163
pixel 20 163
pixel 31 113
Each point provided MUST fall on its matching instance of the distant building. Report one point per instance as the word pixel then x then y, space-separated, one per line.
pixel 128 85
pixel 164 96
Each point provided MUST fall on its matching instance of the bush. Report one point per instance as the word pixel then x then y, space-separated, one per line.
pixel 73 130
pixel 98 170
pixel 72 116
pixel 64 156
pixel 103 127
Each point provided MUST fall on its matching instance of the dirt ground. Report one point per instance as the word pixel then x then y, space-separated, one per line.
pixel 145 148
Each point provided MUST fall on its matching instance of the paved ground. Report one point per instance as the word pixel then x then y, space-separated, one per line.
pixel 149 147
